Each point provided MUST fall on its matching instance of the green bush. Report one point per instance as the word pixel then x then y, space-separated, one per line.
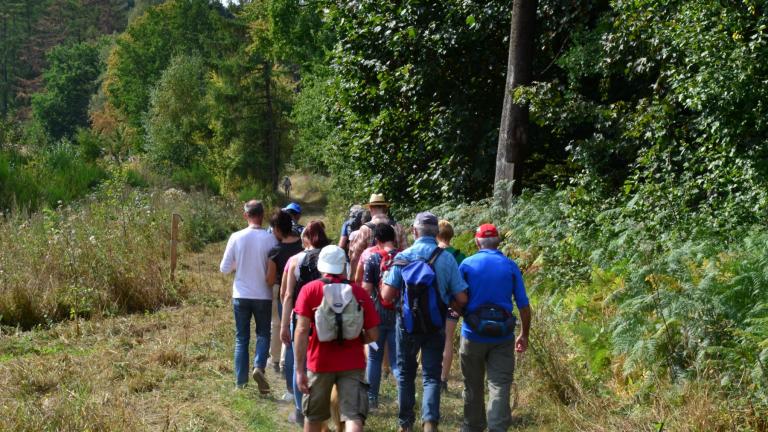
pixel 259 191
pixel 194 178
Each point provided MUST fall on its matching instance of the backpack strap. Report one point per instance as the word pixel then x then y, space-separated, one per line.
pixel 433 257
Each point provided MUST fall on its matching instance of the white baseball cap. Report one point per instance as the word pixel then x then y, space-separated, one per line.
pixel 331 260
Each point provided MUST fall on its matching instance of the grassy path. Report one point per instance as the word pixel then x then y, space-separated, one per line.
pixel 165 371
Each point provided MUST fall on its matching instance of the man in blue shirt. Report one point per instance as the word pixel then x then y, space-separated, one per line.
pixel 488 338
pixel 451 288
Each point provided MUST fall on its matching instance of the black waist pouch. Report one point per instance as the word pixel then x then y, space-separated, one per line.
pixel 491 320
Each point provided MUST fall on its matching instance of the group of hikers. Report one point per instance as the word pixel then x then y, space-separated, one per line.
pixel 340 309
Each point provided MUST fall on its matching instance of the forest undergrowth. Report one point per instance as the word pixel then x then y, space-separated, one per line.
pixel 638 326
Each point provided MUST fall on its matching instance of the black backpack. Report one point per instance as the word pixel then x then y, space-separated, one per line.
pixel 308 271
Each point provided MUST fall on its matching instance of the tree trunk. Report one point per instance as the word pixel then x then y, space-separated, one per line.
pixel 270 117
pixel 5 47
pixel 513 133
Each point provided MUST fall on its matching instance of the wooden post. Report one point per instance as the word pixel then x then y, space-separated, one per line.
pixel 175 219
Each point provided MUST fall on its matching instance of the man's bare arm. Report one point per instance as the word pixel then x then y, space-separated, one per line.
pixel 300 341
pixel 525 320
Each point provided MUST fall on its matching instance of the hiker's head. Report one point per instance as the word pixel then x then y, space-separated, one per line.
pixel 293 209
pixel 445 233
pixel 425 225
pixel 487 237
pixel 384 233
pixel 332 260
pixel 253 211
pixel 314 235
pixel 281 224
pixel 377 205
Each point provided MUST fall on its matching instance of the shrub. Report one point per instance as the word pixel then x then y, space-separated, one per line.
pixel 194 178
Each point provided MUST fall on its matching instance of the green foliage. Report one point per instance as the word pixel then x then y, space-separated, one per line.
pixel 49 177
pixel 69 81
pixel 195 177
pixel 145 50
pixel 637 303
pixel 315 131
pixel 417 91
pixel 660 107
pixel 209 221
pixel 175 123
pixel 258 191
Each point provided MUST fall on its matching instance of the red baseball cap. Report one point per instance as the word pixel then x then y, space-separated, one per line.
pixel 486 231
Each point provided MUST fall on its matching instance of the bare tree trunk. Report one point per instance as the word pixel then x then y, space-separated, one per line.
pixel 6 89
pixel 270 117
pixel 513 133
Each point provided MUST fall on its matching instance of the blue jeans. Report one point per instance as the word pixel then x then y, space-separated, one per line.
pixel 376 358
pixel 408 347
pixel 291 369
pixel 261 311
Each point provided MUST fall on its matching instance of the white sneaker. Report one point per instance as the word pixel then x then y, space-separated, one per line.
pixel 287 397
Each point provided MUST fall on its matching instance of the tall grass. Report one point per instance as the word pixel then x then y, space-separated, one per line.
pixel 106 254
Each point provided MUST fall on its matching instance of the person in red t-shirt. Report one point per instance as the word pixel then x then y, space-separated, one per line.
pixel 332 363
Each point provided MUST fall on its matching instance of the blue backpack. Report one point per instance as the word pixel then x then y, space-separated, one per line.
pixel 423 310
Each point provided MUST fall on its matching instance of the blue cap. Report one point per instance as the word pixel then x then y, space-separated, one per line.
pixel 293 207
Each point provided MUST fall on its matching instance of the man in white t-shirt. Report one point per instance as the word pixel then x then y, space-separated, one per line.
pixel 246 254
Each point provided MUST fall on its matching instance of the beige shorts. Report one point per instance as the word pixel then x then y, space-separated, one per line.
pixel 352 390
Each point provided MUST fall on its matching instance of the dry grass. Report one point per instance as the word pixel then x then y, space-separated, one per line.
pixel 105 255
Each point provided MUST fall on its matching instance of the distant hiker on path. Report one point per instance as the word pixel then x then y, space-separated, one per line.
pixel 294 209
pixel 246 255
pixel 342 318
pixel 488 342
pixel 444 237
pixel 378 207
pixel 287 187
pixel 422 275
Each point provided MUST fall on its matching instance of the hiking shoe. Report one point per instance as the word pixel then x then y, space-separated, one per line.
pixel 373 404
pixel 444 386
pixel 261 380
pixel 276 367
pixel 430 427
pixel 296 417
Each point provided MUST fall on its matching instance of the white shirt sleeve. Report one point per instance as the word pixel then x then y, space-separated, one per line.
pixel 228 263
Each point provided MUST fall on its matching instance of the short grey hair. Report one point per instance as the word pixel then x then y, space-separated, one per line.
pixel 489 242
pixel 254 208
pixel 426 230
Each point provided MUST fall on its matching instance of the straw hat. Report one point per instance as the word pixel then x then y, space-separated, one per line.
pixel 377 200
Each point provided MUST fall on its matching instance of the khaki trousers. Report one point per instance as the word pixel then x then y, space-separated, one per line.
pixel 275 345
